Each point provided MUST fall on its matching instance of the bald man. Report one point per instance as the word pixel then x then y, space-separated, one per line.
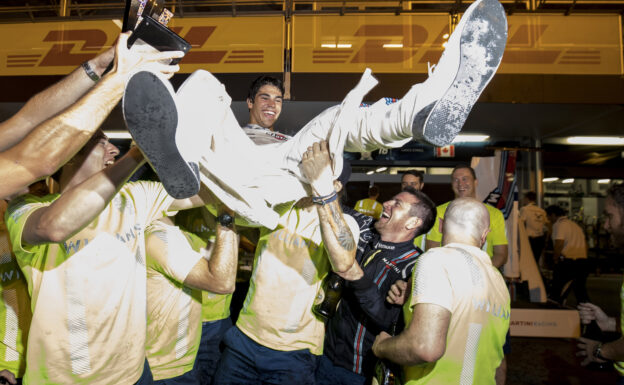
pixel 458 310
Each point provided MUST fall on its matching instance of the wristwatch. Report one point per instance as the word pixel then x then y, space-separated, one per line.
pixel 225 220
pixel 598 352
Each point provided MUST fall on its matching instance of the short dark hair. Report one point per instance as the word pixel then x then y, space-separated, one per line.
pixel 464 165
pixel 616 192
pixel 424 209
pixel 262 81
pixel 417 173
pixel 555 210
pixel 373 190
pixel 531 195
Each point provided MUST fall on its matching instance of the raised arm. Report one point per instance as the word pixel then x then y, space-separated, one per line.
pixel 52 100
pixel 336 234
pixel 79 205
pixel 218 274
pixel 40 146
pixel 424 340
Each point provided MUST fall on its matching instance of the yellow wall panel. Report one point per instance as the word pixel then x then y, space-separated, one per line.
pixel 220 45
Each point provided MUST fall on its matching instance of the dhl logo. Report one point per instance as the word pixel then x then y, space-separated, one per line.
pixel 72 47
pixel 393 43
pixel 379 45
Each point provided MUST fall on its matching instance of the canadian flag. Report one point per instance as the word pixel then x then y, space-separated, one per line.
pixel 445 152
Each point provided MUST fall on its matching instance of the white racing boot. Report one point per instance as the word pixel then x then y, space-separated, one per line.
pixel 150 110
pixel 472 55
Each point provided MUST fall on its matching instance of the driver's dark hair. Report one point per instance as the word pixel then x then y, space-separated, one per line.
pixel 261 81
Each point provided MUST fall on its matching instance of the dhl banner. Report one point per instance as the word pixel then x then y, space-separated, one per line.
pixel 385 43
pixel 220 45
pixel 557 44
pixel 537 43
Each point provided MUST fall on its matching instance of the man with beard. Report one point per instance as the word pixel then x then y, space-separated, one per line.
pixel 596 351
pixel 386 256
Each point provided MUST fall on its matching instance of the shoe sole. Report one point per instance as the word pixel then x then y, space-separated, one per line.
pixel 481 46
pixel 152 118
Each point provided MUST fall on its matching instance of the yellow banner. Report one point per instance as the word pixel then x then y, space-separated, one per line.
pixel 557 44
pixel 537 44
pixel 350 43
pixel 220 45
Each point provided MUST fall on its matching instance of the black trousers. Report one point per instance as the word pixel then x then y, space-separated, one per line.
pixel 575 270
pixel 537 246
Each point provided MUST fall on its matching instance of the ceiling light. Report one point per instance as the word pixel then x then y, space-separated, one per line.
pixel 370 172
pixel 393 45
pixel 344 45
pixel 604 181
pixel 551 179
pixel 117 135
pixel 380 169
pixel 445 36
pixel 328 45
pixel 596 140
pixel 444 45
pixel 471 138
pixel 569 180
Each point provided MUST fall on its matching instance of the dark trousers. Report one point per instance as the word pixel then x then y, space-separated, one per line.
pixel 575 270
pixel 146 378
pixel 246 362
pixel 329 374
pixel 537 246
pixel 210 349
pixel 188 378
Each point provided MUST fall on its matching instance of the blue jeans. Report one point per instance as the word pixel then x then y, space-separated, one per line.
pixel 246 362
pixel 209 349
pixel 329 374
pixel 146 377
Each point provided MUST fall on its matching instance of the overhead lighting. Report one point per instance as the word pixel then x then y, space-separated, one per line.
pixel 445 36
pixel 569 180
pixel 393 45
pixel 597 140
pixel 551 179
pixel 370 172
pixel 333 45
pixel 117 135
pixel 380 169
pixel 471 138
pixel 604 181
pixel 444 44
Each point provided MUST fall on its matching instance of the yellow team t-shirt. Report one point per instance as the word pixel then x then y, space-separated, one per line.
pixel 619 365
pixel 173 310
pixel 369 207
pixel 288 270
pixel 461 279
pixel 15 312
pixel 497 235
pixel 88 293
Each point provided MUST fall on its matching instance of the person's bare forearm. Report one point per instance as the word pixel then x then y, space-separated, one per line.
pixel 57 140
pixel 500 255
pixel 399 350
pixel 49 103
pixel 613 350
pixel 81 204
pixel 224 260
pixel 218 274
pixel 338 241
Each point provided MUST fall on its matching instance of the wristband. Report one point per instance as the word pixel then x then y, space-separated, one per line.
pixel 323 200
pixel 89 71
pixel 598 353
